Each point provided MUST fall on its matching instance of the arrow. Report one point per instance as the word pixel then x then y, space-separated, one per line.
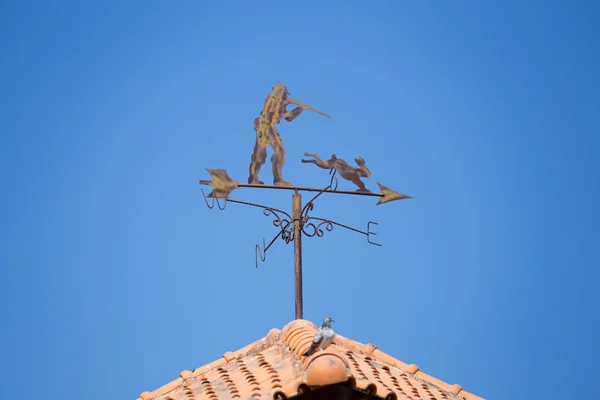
pixel 223 186
pixel 388 195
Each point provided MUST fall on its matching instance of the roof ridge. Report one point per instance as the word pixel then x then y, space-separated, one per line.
pixel 354 357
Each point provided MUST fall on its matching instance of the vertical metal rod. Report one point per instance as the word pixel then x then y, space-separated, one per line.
pixel 296 216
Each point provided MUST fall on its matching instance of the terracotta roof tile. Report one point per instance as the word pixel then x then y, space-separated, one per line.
pixel 274 368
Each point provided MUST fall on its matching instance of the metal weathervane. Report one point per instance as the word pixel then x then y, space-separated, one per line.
pixel 300 222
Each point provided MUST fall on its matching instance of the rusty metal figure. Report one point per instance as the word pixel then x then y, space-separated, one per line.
pixel 292 226
pixel 266 133
pixel 347 172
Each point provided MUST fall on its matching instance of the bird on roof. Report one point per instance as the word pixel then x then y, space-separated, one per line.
pixel 323 337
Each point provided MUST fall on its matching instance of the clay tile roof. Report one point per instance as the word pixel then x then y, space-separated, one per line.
pixel 274 368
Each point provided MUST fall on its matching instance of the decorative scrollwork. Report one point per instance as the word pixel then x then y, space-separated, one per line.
pixel 214 199
pixel 305 210
pixel 287 234
pixel 333 184
pixel 284 224
pixel 287 224
pixel 316 229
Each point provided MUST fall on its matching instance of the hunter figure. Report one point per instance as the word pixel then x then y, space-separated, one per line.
pixel 266 133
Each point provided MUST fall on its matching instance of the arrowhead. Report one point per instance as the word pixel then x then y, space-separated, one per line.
pixel 223 185
pixel 390 195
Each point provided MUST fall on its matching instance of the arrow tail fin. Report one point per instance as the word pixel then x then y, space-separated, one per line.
pixel 222 183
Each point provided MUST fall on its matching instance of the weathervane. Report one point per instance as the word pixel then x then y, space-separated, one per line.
pixel 292 227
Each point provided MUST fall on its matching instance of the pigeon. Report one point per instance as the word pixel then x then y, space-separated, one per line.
pixel 323 337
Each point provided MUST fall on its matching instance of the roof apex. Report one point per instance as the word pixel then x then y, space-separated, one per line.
pixel 274 368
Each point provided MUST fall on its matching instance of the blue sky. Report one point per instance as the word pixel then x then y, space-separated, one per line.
pixel 116 276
